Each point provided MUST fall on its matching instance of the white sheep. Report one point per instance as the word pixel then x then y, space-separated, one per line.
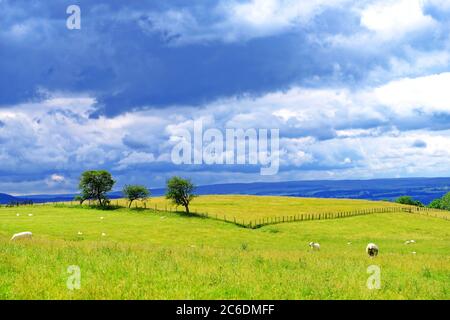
pixel 22 235
pixel 410 241
pixel 372 250
pixel 314 246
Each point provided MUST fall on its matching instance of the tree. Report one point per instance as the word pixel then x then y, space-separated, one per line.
pixel 80 199
pixel 95 185
pixel 409 201
pixel 445 202
pixel 435 204
pixel 180 191
pixel 135 192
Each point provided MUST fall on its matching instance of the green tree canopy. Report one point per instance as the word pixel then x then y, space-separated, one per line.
pixel 180 191
pixel 435 204
pixel 95 184
pixel 135 192
pixel 409 201
pixel 445 201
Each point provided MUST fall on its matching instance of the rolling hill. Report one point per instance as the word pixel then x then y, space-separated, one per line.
pixel 6 198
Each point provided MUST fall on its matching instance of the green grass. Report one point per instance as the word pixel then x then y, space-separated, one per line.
pixel 155 255
pixel 251 208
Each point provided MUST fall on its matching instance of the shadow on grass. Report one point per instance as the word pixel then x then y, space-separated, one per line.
pixel 181 214
pixel 94 207
pixel 176 213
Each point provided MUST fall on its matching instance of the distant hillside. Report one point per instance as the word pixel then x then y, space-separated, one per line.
pixel 423 189
pixel 6 198
pixel 38 198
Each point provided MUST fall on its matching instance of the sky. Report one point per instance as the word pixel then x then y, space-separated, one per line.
pixel 357 89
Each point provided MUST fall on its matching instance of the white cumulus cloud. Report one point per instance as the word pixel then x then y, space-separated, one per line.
pixel 393 18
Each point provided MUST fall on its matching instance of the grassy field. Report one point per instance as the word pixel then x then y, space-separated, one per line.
pixel 144 254
pixel 251 208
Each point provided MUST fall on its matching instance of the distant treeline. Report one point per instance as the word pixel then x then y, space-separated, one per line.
pixel 440 203
pixel 19 203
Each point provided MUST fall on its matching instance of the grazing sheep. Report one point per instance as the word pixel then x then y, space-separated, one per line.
pixel 80 233
pixel 410 241
pixel 372 250
pixel 30 214
pixel 314 246
pixel 103 234
pixel 22 235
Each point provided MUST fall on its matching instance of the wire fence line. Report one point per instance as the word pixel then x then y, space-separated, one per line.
pixel 263 221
